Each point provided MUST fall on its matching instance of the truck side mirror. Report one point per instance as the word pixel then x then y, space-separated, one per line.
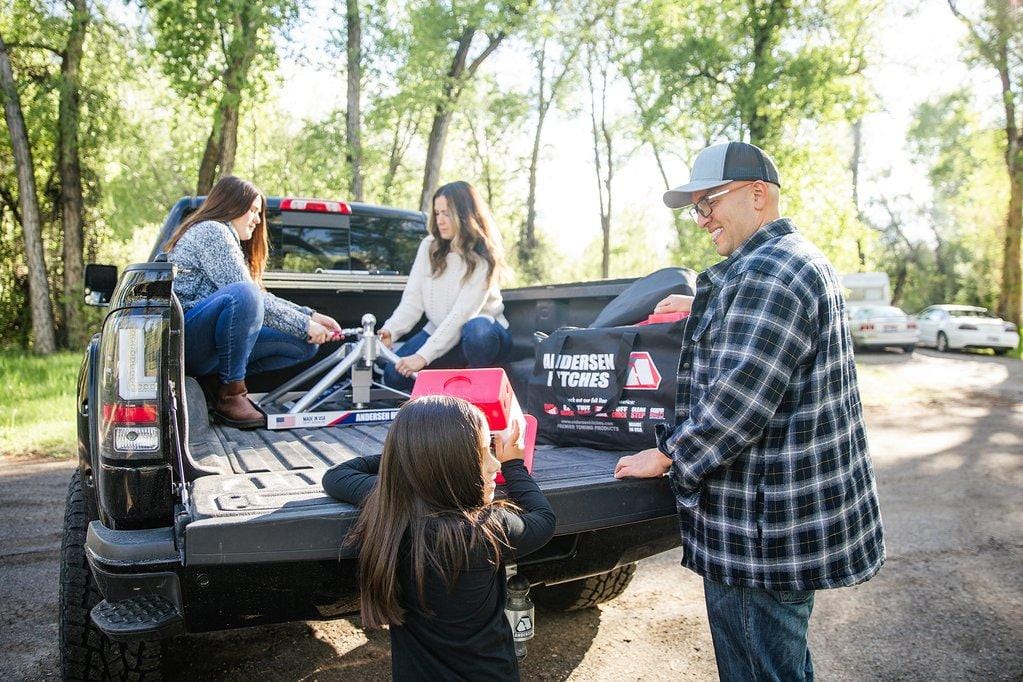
pixel 100 281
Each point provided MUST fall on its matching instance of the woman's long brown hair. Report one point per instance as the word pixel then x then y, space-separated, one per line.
pixel 230 198
pixel 430 495
pixel 475 235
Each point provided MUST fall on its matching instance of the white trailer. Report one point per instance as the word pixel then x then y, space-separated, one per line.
pixel 867 288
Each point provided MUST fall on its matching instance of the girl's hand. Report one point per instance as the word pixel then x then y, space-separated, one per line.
pixel 410 365
pixel 509 447
pixel 328 322
pixel 317 333
pixel 674 303
pixel 385 337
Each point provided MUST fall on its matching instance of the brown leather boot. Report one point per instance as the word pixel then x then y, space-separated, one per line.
pixel 210 385
pixel 234 408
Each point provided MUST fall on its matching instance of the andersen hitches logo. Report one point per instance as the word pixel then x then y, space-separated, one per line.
pixel 594 370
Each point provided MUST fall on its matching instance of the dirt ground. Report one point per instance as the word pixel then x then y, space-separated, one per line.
pixel 946 433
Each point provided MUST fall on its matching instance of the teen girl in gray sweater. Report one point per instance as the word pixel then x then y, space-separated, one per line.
pixel 232 325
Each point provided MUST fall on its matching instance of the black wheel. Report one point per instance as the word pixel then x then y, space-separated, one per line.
pixel 908 350
pixel 585 592
pixel 1001 351
pixel 942 343
pixel 85 652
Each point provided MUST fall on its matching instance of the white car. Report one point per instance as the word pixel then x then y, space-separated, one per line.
pixel 882 326
pixel 950 327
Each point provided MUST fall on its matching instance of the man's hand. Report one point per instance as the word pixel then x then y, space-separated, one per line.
pixel 674 303
pixel 410 365
pixel 644 464
pixel 385 337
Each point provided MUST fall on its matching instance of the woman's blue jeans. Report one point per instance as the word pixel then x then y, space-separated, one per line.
pixel 484 343
pixel 759 634
pixel 224 333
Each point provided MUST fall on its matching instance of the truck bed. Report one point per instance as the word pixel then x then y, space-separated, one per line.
pixel 265 499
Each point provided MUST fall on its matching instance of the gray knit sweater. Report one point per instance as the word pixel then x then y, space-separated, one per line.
pixel 209 256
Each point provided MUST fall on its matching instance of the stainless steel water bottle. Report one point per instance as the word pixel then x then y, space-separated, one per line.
pixel 519 611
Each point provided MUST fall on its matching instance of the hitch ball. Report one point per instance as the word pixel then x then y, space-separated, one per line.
pixel 519 611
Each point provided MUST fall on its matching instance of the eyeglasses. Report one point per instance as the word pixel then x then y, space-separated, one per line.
pixel 704 207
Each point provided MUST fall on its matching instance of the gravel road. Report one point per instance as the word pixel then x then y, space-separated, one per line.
pixel 946 433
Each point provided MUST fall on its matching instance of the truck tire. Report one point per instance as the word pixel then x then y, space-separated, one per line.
pixel 585 593
pixel 85 652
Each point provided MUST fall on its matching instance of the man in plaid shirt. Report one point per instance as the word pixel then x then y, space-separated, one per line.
pixel 768 460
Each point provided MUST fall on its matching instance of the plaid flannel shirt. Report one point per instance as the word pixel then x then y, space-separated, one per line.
pixel 770 469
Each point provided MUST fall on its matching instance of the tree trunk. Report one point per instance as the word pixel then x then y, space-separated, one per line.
pixel 442 119
pixel 766 34
pixel 229 135
pixel 1012 287
pixel 601 134
pixel 353 116
pixel 528 242
pixel 1009 299
pixel 39 289
pixel 71 178
pixel 854 167
pixel 992 43
pixel 208 165
pixel 458 74
pixel 222 144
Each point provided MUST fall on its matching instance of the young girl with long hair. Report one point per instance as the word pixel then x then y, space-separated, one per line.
pixel 232 325
pixel 434 542
pixel 454 282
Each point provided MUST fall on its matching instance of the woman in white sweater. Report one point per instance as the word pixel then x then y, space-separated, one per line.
pixel 454 283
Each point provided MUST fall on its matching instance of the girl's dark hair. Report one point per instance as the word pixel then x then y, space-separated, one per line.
pixel 429 501
pixel 475 235
pixel 230 198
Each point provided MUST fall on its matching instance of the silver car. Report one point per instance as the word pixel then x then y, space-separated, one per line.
pixel 952 327
pixel 882 326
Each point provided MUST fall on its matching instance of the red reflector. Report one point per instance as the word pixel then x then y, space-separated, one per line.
pixel 911 325
pixel 122 413
pixel 316 206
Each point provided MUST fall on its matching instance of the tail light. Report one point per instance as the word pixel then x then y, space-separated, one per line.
pixel 968 327
pixel 866 327
pixel 130 403
pixel 911 325
pixel 1010 327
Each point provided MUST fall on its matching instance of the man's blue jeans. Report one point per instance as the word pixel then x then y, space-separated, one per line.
pixel 224 333
pixel 759 634
pixel 484 343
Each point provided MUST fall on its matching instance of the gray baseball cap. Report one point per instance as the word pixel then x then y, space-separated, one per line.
pixel 721 164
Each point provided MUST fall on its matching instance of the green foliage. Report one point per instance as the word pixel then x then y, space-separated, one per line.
pixel 754 70
pixel 37 403
pixel 956 257
pixel 197 40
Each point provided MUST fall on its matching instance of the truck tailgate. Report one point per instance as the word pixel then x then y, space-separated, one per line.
pixel 271 507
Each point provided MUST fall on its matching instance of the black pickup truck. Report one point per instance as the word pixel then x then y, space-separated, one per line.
pixel 176 525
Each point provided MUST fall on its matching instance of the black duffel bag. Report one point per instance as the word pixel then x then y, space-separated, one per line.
pixel 606 388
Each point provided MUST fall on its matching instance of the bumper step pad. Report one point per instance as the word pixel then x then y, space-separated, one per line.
pixel 146 617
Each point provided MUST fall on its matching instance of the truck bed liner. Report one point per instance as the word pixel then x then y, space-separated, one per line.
pixel 269 502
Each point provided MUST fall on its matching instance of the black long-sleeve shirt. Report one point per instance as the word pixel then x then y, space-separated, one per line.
pixel 460 634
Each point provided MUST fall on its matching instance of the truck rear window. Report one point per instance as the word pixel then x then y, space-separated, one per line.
pixel 306 242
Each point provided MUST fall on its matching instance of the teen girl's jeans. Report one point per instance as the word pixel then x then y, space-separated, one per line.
pixel 224 333
pixel 484 343
pixel 759 634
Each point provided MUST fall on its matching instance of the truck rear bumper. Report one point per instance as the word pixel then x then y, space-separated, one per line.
pixel 209 598
pixel 136 572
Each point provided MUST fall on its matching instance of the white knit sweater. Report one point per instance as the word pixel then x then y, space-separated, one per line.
pixel 447 301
